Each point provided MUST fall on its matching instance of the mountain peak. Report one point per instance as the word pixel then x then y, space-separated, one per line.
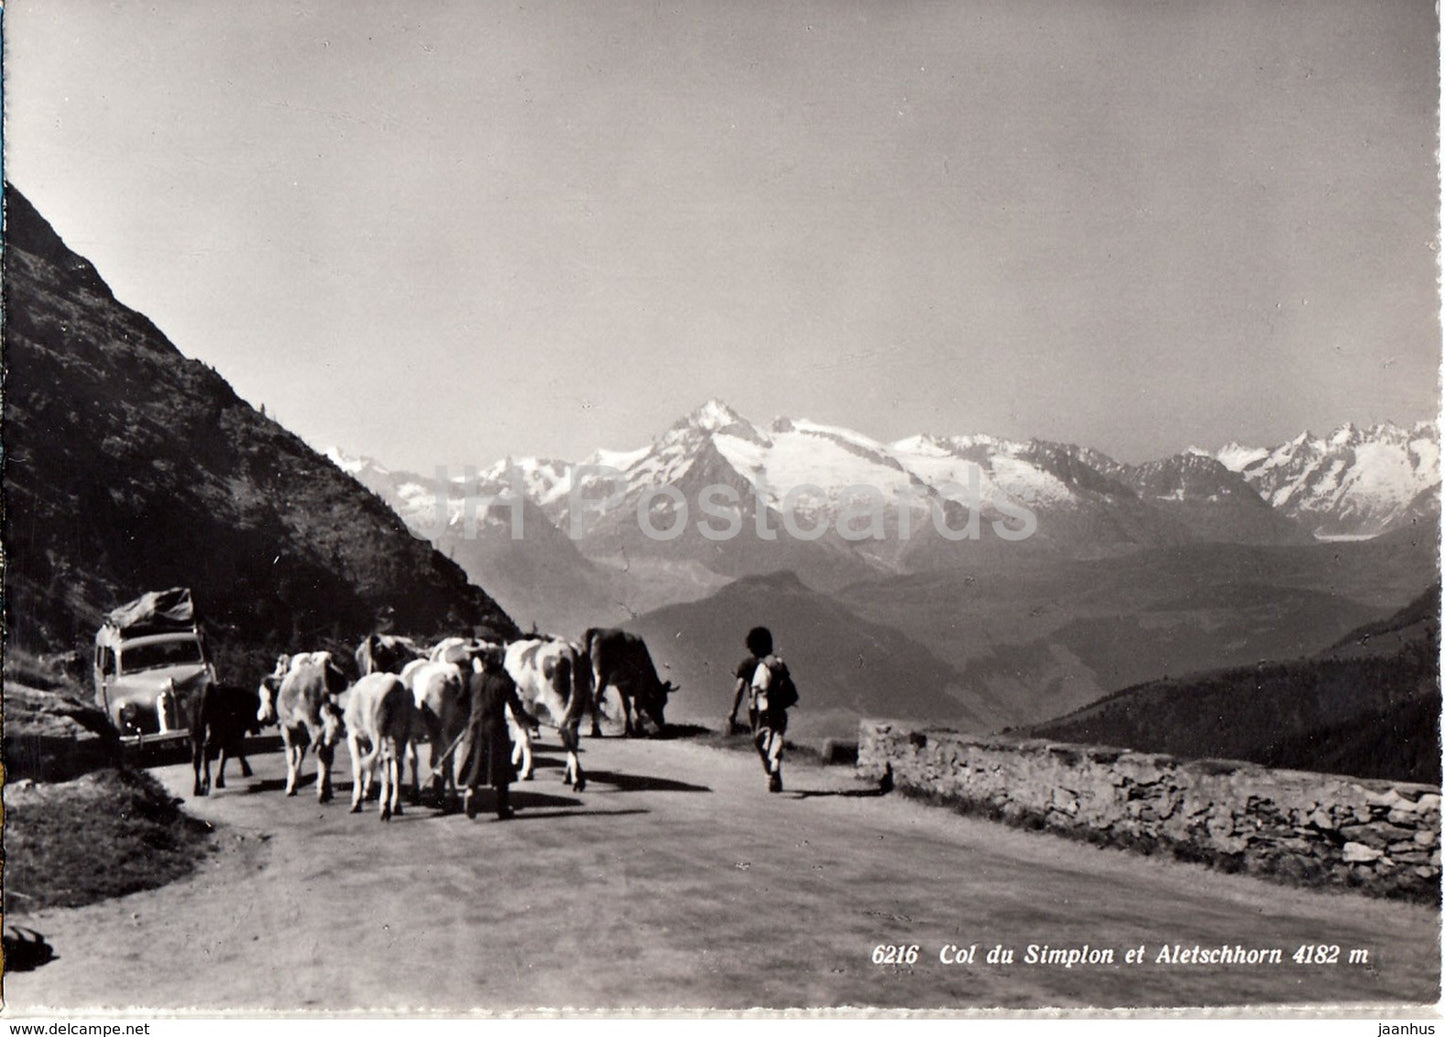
pixel 1236 457
pixel 352 464
pixel 714 416
pixel 1353 481
pixel 1345 435
pixel 28 231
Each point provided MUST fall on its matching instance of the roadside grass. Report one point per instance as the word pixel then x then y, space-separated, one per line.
pixel 106 834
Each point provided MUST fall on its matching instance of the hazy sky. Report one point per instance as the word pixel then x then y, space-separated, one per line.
pixel 440 232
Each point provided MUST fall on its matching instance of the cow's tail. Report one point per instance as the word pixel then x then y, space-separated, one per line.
pixel 570 684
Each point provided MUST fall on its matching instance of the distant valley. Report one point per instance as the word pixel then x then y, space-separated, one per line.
pixel 1132 573
pixel 1367 705
pixel 838 508
pixel 965 580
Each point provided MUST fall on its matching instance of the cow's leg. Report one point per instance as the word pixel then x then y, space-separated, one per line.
pixel 451 765
pixel 324 754
pixel 395 772
pixel 398 774
pixel 528 764
pixel 358 778
pixel 597 704
pixel 414 755
pixel 368 766
pixel 573 770
pixel 521 747
pixel 241 759
pixel 383 799
pixel 198 755
pixel 221 766
pixel 435 736
pixel 574 766
pixel 634 726
pixel 293 762
pixel 389 778
pixel 298 760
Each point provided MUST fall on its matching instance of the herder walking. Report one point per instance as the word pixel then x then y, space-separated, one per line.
pixel 771 692
pixel 488 758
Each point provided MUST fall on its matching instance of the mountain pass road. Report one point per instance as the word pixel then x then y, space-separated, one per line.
pixel 675 880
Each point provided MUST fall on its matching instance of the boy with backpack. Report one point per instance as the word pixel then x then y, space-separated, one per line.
pixel 771 694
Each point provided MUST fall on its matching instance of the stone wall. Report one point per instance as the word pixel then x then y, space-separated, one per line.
pixel 1379 836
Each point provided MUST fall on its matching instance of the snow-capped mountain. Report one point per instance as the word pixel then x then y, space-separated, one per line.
pixel 506 542
pixel 1353 482
pixel 717 493
pixel 812 473
pixel 843 500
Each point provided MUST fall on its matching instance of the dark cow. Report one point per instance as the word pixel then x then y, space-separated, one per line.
pixel 621 660
pixel 384 653
pixel 221 718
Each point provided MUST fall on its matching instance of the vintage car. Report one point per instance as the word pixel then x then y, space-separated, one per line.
pixel 150 659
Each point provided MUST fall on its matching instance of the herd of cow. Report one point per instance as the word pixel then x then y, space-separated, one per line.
pixel 404 693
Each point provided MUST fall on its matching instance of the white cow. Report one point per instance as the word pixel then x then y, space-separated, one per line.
pixel 438 691
pixel 378 718
pixel 553 677
pixel 303 703
pixel 459 650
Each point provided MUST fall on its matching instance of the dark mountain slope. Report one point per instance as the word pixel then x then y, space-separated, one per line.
pixel 1368 706
pixel 131 467
pixel 1417 621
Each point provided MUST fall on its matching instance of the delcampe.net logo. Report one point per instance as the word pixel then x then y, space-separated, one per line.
pixel 718 512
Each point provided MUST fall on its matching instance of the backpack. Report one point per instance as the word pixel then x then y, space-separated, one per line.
pixel 782 692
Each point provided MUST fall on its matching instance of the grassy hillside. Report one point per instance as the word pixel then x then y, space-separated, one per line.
pixel 1051 634
pixel 131 467
pixel 1371 713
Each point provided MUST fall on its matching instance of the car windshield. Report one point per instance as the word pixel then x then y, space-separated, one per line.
pixel 160 653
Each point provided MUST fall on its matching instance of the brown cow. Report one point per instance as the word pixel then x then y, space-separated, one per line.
pixel 621 660
pixel 385 653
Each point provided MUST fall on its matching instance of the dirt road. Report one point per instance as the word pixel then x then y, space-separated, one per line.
pixel 676 880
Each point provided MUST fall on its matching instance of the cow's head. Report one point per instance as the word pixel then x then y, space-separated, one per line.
pixel 652 704
pixel 270 686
